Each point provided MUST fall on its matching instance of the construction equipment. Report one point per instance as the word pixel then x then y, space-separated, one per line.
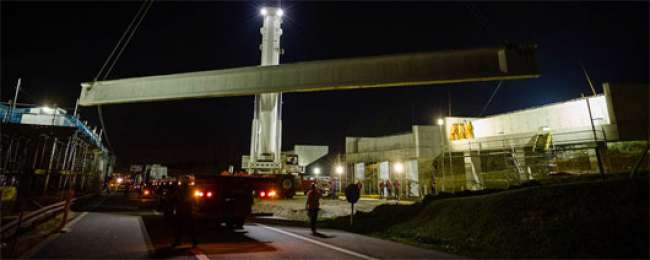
pixel 268 81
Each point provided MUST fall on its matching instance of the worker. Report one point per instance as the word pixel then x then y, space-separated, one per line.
pixel 313 205
pixel 183 220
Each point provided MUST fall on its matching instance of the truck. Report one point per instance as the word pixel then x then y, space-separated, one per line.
pixel 285 176
pixel 223 199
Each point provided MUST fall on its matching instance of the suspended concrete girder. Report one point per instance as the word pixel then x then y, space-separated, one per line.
pixel 441 67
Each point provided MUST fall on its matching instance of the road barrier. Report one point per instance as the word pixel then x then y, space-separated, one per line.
pixel 10 229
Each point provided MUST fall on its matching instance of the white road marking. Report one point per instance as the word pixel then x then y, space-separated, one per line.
pixel 313 241
pixel 53 236
pixel 199 254
pixel 69 225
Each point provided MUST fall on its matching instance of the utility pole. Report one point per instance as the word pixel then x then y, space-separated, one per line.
pixel 598 145
pixel 591 85
pixel 13 103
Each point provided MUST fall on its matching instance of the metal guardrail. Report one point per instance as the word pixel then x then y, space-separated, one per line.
pixel 10 229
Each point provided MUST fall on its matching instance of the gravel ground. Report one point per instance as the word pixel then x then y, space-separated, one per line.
pixel 294 209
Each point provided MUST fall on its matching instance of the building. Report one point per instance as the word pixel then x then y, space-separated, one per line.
pixel 604 133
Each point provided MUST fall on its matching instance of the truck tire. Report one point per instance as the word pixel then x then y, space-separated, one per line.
pixel 238 223
pixel 287 186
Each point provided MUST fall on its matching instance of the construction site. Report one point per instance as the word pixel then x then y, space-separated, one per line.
pixel 47 153
pixel 604 133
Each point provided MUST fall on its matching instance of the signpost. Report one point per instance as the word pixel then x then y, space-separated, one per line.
pixel 352 194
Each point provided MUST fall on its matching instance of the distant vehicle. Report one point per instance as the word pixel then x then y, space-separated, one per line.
pixel 147 192
pixel 323 183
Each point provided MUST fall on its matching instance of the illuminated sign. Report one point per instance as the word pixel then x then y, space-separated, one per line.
pixel 461 131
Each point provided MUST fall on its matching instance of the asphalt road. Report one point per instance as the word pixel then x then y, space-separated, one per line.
pixel 119 227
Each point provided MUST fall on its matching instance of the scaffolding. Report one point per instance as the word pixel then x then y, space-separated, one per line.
pixel 44 152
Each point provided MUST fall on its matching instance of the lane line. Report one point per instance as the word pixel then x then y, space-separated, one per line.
pixel 198 253
pixel 145 235
pixel 49 238
pixel 313 241
pixel 71 223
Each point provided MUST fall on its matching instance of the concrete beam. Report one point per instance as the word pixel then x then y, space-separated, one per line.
pixel 441 67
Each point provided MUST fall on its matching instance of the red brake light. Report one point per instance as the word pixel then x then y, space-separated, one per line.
pixel 209 194
pixel 262 194
pixel 146 192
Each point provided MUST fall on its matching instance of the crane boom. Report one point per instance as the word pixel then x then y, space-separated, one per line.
pixel 441 67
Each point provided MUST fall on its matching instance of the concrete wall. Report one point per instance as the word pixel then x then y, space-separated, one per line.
pixel 422 141
pixel 567 115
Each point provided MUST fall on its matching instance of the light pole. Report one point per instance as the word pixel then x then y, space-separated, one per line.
pixel 339 171
pixel 399 168
pixel 441 123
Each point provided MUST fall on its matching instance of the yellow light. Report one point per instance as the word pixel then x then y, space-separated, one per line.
pixel 339 169
pixel 398 167
pixel 198 193
pixel 440 121
pixel 272 193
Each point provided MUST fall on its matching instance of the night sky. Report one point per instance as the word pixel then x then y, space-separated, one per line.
pixel 55 46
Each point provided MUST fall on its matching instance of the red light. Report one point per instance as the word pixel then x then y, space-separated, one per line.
pixel 262 194
pixel 146 192
pixel 209 194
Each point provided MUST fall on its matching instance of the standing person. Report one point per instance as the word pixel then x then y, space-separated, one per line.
pixel 183 220
pixel 389 189
pixel 381 190
pixel 397 189
pixel 313 205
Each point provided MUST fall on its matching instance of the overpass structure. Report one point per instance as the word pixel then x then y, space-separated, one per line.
pixel 268 81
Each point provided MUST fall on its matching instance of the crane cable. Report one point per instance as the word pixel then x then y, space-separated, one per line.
pixel 491 97
pixel 130 30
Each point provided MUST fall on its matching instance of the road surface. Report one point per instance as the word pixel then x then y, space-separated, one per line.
pixel 115 226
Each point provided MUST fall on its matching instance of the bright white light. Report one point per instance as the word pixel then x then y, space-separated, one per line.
pixel 263 11
pixel 280 12
pixel 440 121
pixel 316 170
pixel 339 169
pixel 398 167
pixel 47 110
pixel 120 180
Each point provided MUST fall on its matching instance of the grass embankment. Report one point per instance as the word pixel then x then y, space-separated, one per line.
pixel 595 219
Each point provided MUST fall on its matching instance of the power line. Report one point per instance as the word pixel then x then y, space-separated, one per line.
pixel 130 31
pixel 120 41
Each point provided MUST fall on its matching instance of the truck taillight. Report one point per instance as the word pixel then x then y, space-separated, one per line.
pixel 262 194
pixel 209 194
pixel 146 192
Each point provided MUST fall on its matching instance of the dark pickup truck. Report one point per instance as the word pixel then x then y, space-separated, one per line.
pixel 223 199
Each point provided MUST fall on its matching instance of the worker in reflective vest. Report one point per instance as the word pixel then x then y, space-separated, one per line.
pixel 313 205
